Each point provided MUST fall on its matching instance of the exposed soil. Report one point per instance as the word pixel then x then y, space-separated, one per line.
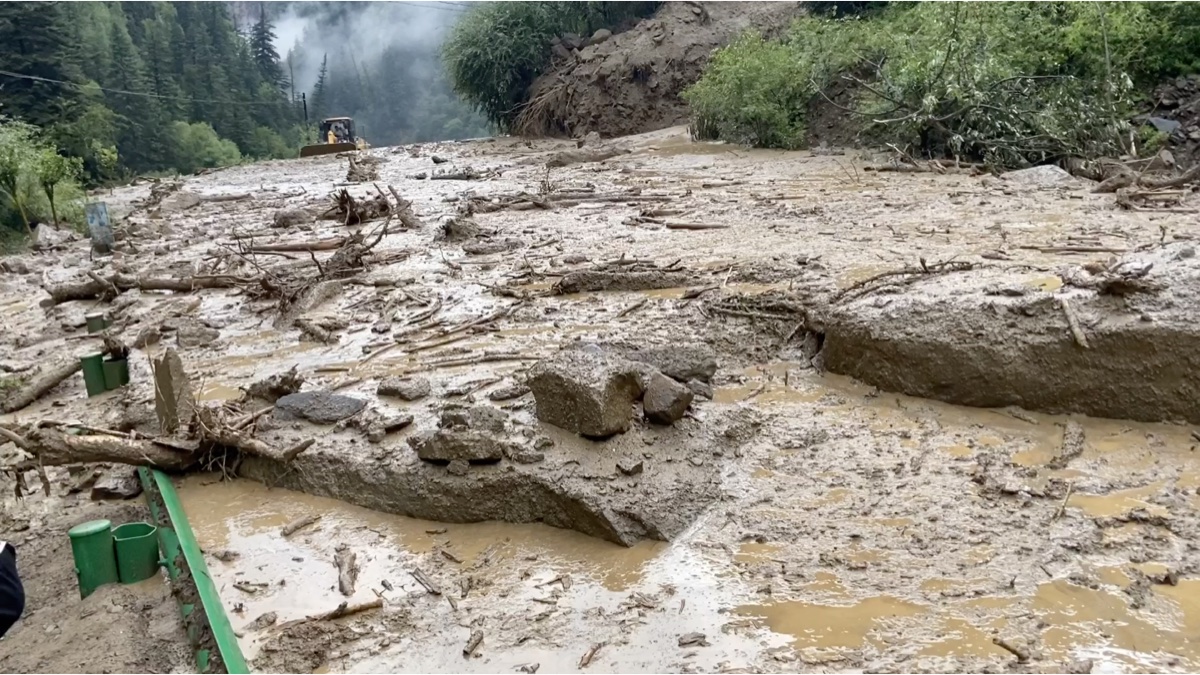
pixel 814 522
pixel 633 81
pixel 117 629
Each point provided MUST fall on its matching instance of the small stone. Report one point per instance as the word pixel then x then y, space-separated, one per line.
pixel 700 389
pixel 522 455
pixel 196 335
pixel 693 639
pixel 121 483
pixel 410 389
pixel 447 445
pixel 292 217
pixel 458 467
pixel 477 417
pixel 696 461
pixel 226 555
pixel 263 621
pixel 575 259
pixel 630 467
pixel 507 392
pixel 666 400
pixel 543 443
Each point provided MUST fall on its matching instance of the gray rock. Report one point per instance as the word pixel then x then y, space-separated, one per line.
pixel 49 236
pixel 702 390
pixel 179 201
pixel 447 445
pixel 490 246
pixel 477 417
pixel 292 217
pixel 119 483
pixel 523 455
pixel 507 392
pixel 318 407
pixel 459 229
pixel 195 335
pixel 600 36
pixel 458 467
pixel 407 389
pixel 587 393
pixel 574 259
pixel 1046 175
pixel 666 400
pixel 681 362
pixel 630 467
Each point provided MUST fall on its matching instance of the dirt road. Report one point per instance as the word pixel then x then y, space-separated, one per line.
pixel 814 521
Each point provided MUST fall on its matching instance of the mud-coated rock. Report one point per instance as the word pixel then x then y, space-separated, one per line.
pixel 588 393
pixel 119 483
pixel 508 391
pixel 292 217
pixel 666 400
pixel 702 390
pixel 524 455
pixel 196 335
pixel 630 467
pixel 458 467
pixel 448 445
pixel 595 280
pixel 680 362
pixel 407 389
pixel 318 407
pixel 477 417
pixel 490 246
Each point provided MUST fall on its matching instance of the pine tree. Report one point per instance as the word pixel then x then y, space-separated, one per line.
pixel 320 94
pixel 262 46
pixel 35 40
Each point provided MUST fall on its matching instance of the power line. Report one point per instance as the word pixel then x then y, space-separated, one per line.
pixel 444 9
pixel 143 94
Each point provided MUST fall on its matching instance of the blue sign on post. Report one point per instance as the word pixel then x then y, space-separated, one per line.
pixel 97 220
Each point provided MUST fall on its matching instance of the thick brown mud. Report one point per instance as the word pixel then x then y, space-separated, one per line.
pixel 800 519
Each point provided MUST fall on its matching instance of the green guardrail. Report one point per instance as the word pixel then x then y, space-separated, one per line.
pixel 204 617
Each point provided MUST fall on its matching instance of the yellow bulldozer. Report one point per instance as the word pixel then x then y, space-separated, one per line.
pixel 335 134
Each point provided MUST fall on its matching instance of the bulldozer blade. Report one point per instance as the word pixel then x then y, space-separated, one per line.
pixel 326 149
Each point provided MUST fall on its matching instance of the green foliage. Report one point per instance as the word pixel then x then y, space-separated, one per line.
pixel 770 86
pixel 53 170
pixel 497 50
pixel 34 180
pixel 1009 83
pixel 198 146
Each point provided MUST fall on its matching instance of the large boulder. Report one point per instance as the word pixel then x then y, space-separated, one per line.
pixel 318 407
pixel 119 483
pixel 586 392
pixel 666 400
pixel 196 335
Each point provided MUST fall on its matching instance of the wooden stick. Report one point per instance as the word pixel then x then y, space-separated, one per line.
pixel 1073 324
pixel 1063 506
pixel 347 564
pixel 590 654
pixel 320 245
pixel 694 226
pixel 1022 655
pixel 425 581
pixel 298 524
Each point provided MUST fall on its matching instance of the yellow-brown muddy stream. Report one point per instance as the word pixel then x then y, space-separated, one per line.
pixel 760 604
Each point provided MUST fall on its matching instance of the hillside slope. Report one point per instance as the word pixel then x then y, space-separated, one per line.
pixel 632 82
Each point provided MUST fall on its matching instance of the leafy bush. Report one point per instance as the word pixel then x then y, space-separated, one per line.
pixel 263 143
pixel 499 48
pixel 771 88
pixel 1009 83
pixel 35 180
pixel 197 146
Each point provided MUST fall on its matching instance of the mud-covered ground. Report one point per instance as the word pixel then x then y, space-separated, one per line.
pixel 816 523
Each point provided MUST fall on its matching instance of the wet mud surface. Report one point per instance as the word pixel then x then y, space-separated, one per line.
pixel 800 520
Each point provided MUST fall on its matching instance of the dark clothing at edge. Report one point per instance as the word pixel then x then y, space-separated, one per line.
pixel 12 593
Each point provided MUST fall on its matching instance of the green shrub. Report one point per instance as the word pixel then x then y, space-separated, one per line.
pixel 498 49
pixel 1010 83
pixel 197 146
pixel 770 85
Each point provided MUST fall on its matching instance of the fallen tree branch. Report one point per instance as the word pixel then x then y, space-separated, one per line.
pixel 86 290
pixel 39 385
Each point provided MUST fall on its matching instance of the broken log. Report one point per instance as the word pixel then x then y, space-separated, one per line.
pixel 319 245
pixel 51 447
pixel 86 290
pixel 473 643
pixel 694 226
pixel 347 565
pixel 39 385
pixel 299 524
pixel 343 610
pixel 425 581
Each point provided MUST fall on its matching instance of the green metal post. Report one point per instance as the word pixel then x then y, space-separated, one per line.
pixel 93 374
pixel 95 562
